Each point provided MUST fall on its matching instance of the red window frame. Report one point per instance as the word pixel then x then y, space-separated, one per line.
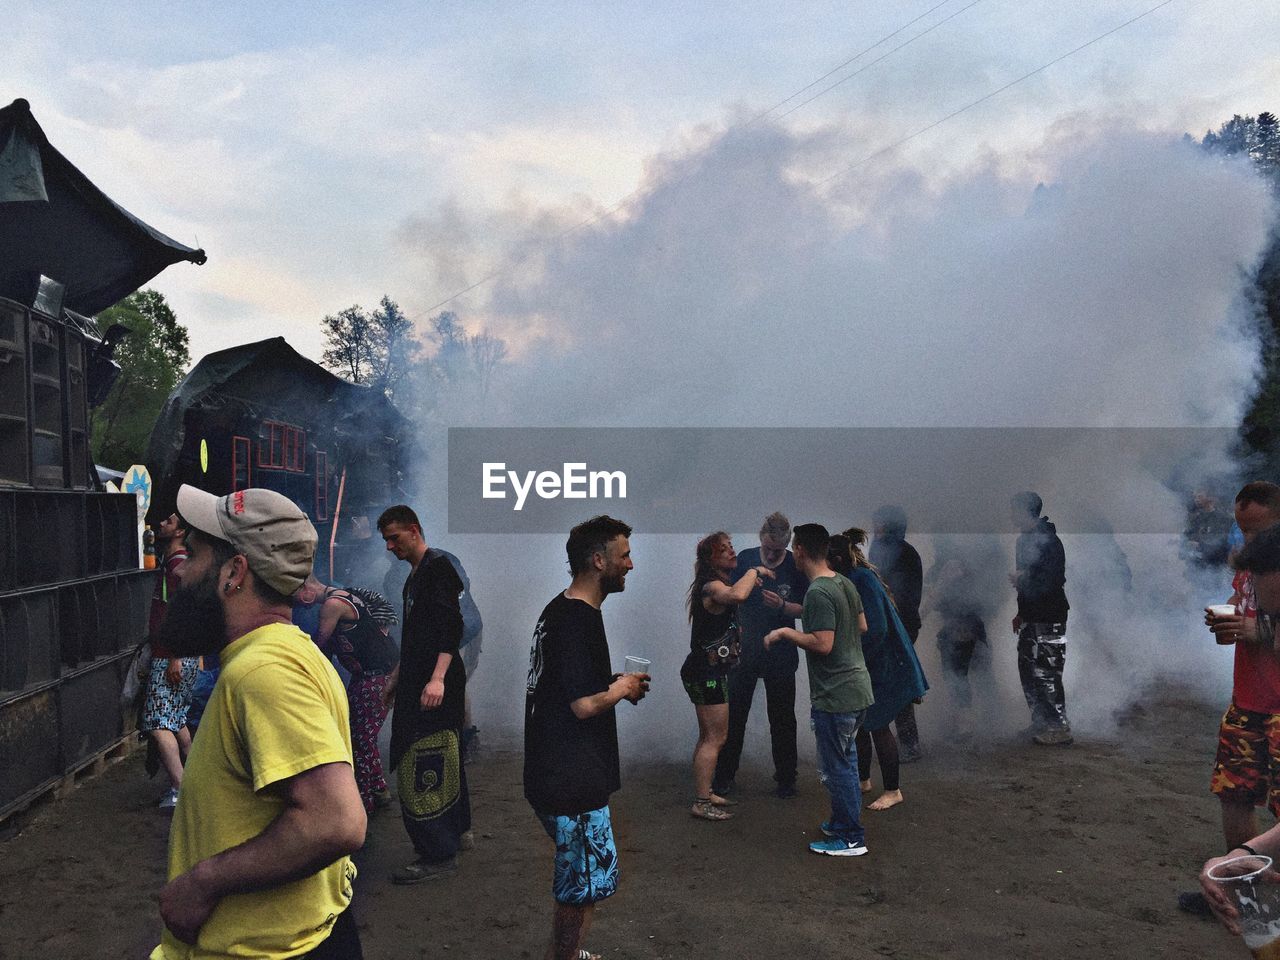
pixel 322 485
pixel 282 446
pixel 241 459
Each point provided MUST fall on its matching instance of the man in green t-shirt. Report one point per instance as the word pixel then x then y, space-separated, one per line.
pixel 839 685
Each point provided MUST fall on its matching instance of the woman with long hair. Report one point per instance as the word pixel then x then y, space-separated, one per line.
pixel 896 677
pixel 712 604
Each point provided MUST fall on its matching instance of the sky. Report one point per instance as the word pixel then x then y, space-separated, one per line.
pixel 309 148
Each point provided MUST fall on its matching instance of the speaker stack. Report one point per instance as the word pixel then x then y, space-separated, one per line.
pixel 73 602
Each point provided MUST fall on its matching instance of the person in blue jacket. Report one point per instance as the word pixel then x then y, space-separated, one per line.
pixel 896 676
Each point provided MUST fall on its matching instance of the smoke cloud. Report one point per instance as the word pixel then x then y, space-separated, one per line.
pixel 1092 282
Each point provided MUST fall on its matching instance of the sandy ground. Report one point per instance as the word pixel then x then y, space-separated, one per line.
pixel 1007 851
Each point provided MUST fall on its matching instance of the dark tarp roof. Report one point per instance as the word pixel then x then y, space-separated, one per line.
pixel 55 222
pixel 269 375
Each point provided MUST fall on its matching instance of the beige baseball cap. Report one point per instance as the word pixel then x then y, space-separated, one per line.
pixel 274 535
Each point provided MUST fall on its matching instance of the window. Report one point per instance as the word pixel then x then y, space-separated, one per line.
pixel 282 446
pixel 322 485
pixel 241 476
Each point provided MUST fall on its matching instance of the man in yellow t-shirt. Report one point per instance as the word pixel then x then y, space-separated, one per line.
pixel 268 812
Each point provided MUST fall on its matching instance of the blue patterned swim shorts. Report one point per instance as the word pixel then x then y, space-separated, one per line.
pixel 586 868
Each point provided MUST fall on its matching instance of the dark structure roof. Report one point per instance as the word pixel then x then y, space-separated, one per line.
pixel 55 222
pixel 269 378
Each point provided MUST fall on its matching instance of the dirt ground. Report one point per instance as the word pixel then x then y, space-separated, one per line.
pixel 1010 851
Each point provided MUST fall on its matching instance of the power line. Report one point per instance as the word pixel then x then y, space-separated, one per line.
pixel 610 211
pixel 869 157
pixel 993 93
pixel 823 92
pixel 853 59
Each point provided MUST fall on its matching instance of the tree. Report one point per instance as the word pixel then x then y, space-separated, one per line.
pixel 348 348
pixel 393 343
pixel 374 348
pixel 153 358
pixel 1259 139
pixel 463 358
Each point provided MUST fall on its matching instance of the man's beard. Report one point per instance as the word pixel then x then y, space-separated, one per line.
pixel 194 622
pixel 614 583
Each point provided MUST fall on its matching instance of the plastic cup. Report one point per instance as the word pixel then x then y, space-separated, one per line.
pixel 636 665
pixel 1217 612
pixel 1257 899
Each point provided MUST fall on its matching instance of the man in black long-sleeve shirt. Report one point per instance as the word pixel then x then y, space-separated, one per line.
pixel 1041 624
pixel 899 564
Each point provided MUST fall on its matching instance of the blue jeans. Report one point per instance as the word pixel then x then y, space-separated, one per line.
pixel 838 770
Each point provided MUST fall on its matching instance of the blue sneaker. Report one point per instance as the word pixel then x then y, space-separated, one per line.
pixel 835 847
pixel 826 828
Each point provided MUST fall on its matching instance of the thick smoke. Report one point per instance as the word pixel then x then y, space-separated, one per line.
pixel 1095 282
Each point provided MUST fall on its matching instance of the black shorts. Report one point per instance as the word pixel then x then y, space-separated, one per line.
pixel 707 693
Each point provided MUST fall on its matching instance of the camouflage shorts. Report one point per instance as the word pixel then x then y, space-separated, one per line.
pixel 1247 767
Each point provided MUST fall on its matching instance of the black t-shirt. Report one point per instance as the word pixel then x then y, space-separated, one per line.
pixel 570 765
pixel 432 625
pixel 756 618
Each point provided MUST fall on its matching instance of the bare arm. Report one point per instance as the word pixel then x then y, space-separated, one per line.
pixel 820 641
pixel 323 819
pixel 626 686
pixel 724 595
pixel 433 692
pixel 333 612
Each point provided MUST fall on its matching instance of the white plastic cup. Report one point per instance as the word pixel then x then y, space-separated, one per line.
pixel 1257 899
pixel 636 665
pixel 1223 610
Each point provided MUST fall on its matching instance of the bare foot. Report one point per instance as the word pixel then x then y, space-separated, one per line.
pixel 890 798
pixel 866 786
pixel 706 810
pixel 719 801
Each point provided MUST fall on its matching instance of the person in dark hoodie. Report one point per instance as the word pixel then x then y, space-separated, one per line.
pixel 1041 624
pixel 899 565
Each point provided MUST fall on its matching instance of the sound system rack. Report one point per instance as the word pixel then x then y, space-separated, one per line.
pixel 73 601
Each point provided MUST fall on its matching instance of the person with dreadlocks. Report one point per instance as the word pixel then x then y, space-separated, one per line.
pixel 714 646
pixel 352 626
pixel 896 676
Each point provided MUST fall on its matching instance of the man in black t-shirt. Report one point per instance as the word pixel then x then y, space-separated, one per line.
pixel 429 688
pixel 570 735
pixel 775 604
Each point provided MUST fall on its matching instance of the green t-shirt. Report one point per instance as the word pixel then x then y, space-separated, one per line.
pixel 839 681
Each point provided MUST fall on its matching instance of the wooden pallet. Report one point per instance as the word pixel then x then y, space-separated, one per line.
pixel 12 822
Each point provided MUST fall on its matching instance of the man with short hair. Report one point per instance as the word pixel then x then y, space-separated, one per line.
pixel 777 605
pixel 268 812
pixel 1040 573
pixel 429 687
pixel 1246 768
pixel 839 685
pixel 570 734
pixel 1260 561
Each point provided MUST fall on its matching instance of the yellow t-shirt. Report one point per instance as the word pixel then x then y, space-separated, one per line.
pixel 277 710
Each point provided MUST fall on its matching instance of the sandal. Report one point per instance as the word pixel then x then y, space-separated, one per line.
pixel 706 810
pixel 718 801
pixel 588 955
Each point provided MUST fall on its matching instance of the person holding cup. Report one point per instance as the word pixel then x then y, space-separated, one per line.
pixel 1246 767
pixel 714 647
pixel 1260 559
